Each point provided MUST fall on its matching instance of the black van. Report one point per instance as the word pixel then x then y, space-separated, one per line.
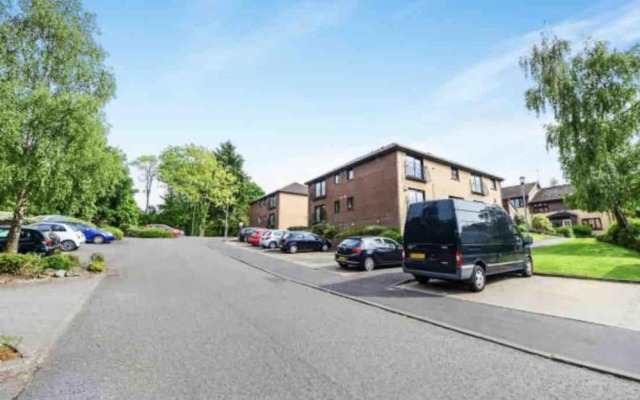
pixel 463 241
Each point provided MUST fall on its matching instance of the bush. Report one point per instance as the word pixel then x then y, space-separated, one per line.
pixel 541 223
pixel 298 228
pixel 522 228
pixel 330 232
pixel 393 234
pixel 353 231
pixel 373 230
pixel 519 220
pixel 565 231
pixel 582 231
pixel 604 237
pixel 149 233
pixel 96 266
pixel 98 257
pixel 618 236
pixel 117 233
pixel 28 265
pixel 62 261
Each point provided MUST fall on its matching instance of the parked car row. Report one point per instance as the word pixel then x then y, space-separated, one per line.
pixel 32 241
pixel 287 242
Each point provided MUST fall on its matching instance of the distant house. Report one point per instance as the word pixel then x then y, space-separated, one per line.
pixel 281 209
pixel 550 202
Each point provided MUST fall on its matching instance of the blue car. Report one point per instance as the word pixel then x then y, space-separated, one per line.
pixel 93 234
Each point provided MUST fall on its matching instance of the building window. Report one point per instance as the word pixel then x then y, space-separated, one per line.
pixel 540 208
pixel 272 221
pixel 455 173
pixel 566 222
pixel 321 189
pixel 476 184
pixel 336 206
pixel 319 214
pixel 517 202
pixel 595 223
pixel 272 201
pixel 350 203
pixel 494 184
pixel 350 174
pixel 413 167
pixel 415 196
pixel 336 179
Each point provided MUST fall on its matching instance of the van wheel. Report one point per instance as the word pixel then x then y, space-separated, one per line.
pixel 422 279
pixel 528 268
pixel 478 279
pixel 369 264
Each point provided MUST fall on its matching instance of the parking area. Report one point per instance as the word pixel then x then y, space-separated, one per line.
pixel 606 303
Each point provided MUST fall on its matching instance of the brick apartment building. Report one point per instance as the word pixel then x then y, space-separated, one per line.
pixel 281 209
pixel 377 188
pixel 550 202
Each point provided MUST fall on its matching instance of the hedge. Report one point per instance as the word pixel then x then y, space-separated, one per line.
pixel 61 261
pixel 298 228
pixel 393 234
pixel 372 230
pixel 582 231
pixel 149 233
pixel 29 265
pixel 616 235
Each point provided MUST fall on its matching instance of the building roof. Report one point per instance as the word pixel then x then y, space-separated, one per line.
pixel 509 192
pixel 390 148
pixel 292 188
pixel 552 193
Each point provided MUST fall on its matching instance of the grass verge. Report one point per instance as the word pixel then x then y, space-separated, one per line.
pixel 588 258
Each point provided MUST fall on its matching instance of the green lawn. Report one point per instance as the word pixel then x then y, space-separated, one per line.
pixel 588 258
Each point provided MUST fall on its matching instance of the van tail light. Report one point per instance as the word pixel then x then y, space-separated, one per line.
pixel 357 250
pixel 403 255
pixel 458 258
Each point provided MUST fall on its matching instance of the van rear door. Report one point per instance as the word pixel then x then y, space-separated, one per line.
pixel 430 237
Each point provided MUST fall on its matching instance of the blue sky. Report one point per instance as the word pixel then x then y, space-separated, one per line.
pixel 302 86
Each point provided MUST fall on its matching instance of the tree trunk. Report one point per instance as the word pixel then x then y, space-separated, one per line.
pixel 16 225
pixel 622 219
pixel 203 222
pixel 226 222
pixel 146 208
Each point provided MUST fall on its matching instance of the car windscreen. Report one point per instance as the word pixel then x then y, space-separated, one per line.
pixel 351 243
pixel 432 222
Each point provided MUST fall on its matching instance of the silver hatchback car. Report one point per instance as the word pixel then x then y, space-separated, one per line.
pixel 271 239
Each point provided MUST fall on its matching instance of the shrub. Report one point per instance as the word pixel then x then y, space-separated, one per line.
pixel 330 232
pixel 618 236
pixel 519 219
pixel 565 231
pixel 62 261
pixel 522 228
pixel 96 266
pixel 318 229
pixel 393 234
pixel 98 257
pixel 604 237
pixel 117 233
pixel 298 228
pixel 373 230
pixel 353 231
pixel 149 233
pixel 541 223
pixel 582 231
pixel 28 265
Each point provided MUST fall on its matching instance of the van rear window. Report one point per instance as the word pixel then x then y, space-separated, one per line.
pixel 431 222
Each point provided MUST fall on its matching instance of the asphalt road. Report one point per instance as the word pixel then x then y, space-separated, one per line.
pixel 179 320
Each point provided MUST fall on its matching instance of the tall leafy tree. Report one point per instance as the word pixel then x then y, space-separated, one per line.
pixel 148 168
pixel 118 205
pixel 194 172
pixel 53 89
pixel 594 97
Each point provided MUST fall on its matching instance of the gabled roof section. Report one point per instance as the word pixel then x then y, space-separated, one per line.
pixel 509 192
pixel 553 193
pixel 292 188
pixel 390 148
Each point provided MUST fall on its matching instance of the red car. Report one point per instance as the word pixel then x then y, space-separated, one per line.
pixel 175 232
pixel 254 238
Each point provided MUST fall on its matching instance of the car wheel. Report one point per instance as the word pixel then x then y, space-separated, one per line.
pixel 528 268
pixel 478 279
pixel 325 247
pixel 369 264
pixel 98 239
pixel 293 249
pixel 273 245
pixel 68 245
pixel 422 279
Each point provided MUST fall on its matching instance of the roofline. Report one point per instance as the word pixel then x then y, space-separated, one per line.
pixel 397 147
pixel 276 192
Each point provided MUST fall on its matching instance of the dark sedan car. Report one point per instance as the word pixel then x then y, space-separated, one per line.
pixel 244 234
pixel 368 252
pixel 293 242
pixel 32 241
